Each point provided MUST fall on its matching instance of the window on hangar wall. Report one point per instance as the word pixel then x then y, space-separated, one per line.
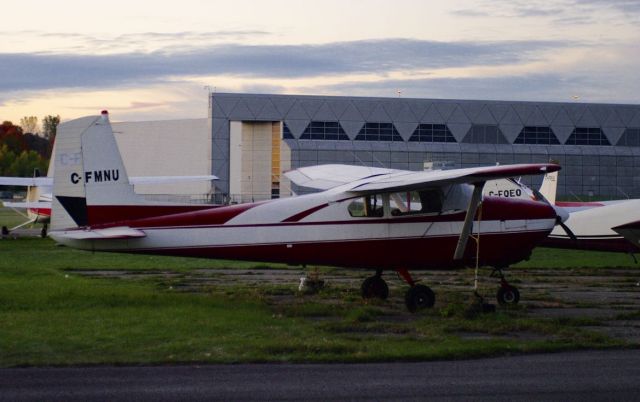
pixel 318 130
pixel 378 132
pixel 537 135
pixel 587 136
pixel 324 130
pixel 432 133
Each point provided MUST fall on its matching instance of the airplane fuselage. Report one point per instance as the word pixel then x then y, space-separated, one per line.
pixel 320 229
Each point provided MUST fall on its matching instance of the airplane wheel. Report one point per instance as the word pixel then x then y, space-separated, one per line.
pixel 43 232
pixel 375 286
pixel 419 297
pixel 508 295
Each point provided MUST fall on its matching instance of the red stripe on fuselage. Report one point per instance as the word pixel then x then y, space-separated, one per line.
pixel 123 215
pixel 202 215
pixel 569 204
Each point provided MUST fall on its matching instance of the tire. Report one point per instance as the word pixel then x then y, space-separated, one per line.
pixel 419 297
pixel 508 295
pixel 375 287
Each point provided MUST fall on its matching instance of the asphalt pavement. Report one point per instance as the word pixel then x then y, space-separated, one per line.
pixel 584 375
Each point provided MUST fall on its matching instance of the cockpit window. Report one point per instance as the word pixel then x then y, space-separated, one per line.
pixel 370 206
pixel 416 202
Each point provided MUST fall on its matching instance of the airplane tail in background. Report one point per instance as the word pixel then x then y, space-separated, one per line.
pixel 549 187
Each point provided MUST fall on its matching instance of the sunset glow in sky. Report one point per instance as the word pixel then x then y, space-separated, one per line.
pixel 142 62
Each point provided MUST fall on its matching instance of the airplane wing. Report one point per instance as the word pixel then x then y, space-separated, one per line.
pixel 406 180
pixel 26 181
pixel 169 179
pixel 324 177
pixel 630 231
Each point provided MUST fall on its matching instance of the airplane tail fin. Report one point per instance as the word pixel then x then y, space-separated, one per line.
pixel 549 187
pixel 90 181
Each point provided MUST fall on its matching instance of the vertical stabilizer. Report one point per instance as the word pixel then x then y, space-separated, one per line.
pixel 88 171
pixel 549 187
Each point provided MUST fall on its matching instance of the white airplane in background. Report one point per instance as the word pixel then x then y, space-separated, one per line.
pixel 369 218
pixel 601 225
pixel 37 207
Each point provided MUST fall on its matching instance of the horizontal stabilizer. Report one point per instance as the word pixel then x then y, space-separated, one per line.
pixel 120 232
pixel 26 181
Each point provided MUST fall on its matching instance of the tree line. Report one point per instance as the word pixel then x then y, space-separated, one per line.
pixel 26 147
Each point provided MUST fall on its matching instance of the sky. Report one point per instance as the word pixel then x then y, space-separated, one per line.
pixel 141 62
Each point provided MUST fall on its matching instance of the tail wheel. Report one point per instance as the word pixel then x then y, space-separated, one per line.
pixel 419 297
pixel 375 287
pixel 508 295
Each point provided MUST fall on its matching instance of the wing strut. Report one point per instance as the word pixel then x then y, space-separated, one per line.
pixel 468 220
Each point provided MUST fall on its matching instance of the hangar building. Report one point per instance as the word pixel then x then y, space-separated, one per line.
pixel 256 137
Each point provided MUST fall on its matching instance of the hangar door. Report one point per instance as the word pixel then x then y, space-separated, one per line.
pixel 256 160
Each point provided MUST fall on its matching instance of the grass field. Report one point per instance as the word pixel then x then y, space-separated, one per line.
pixel 10 218
pixel 51 315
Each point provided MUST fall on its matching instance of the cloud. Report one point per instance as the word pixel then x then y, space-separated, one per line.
pixel 625 6
pixel 142 42
pixel 45 71
pixel 512 9
pixel 565 12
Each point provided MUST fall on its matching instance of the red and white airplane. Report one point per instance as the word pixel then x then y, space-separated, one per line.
pixel 369 218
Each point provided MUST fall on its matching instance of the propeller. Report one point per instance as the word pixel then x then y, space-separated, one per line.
pixel 561 214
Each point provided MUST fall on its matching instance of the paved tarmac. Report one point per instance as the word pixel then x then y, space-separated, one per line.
pixel 585 375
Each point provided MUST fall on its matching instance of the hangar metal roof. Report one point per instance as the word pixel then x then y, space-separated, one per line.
pixel 406 114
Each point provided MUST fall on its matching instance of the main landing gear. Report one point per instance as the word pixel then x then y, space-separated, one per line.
pixel 507 294
pixel 375 287
pixel 418 297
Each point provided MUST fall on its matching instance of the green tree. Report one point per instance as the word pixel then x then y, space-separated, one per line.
pixel 50 126
pixel 7 158
pixel 29 124
pixel 25 163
